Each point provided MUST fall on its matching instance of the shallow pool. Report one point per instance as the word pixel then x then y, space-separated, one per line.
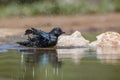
pixel 59 64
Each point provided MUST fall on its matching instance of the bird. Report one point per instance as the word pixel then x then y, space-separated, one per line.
pixel 40 38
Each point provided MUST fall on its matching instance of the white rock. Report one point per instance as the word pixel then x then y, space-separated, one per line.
pixel 107 39
pixel 76 39
pixel 76 34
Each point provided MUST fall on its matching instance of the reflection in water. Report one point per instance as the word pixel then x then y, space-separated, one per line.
pixel 36 64
pixel 39 57
pixel 108 54
pixel 48 62
pixel 74 54
pixel 34 59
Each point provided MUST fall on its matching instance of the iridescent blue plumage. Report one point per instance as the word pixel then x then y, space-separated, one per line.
pixel 41 38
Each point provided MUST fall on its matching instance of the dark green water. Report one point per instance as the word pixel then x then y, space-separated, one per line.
pixel 60 64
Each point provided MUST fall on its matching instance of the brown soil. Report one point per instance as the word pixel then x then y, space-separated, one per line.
pixel 83 23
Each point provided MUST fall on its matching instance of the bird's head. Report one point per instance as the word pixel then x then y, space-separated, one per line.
pixel 28 31
pixel 56 31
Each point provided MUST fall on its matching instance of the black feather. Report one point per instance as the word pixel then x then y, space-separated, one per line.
pixel 42 39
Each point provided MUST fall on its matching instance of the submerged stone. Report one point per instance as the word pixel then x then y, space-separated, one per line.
pixel 76 39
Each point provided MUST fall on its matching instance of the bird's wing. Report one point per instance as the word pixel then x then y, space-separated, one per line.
pixel 41 33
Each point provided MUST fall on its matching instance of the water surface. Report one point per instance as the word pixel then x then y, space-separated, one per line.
pixel 59 64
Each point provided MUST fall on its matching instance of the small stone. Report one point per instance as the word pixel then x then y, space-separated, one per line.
pixel 107 39
pixel 76 39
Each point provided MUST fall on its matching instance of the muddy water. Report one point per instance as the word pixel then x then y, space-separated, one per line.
pixel 18 63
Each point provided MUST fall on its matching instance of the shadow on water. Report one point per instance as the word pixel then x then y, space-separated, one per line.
pixel 18 63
